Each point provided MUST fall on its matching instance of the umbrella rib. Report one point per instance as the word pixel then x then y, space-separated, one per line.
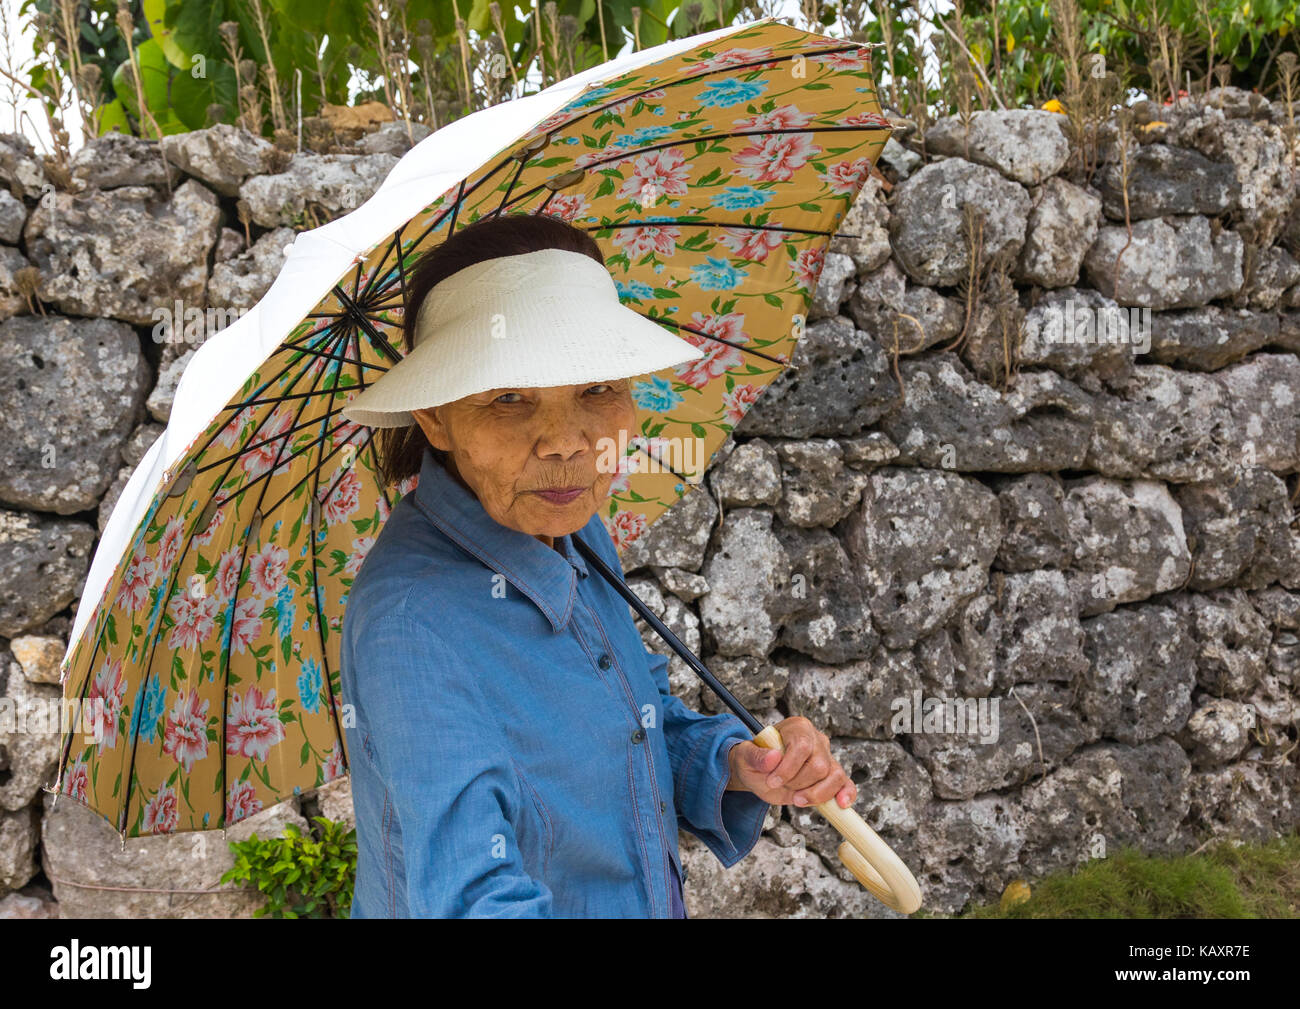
pixel 738 225
pixel 278 463
pixel 320 333
pixel 302 451
pixel 315 592
pixel 296 395
pixel 716 339
pixel 234 600
pixel 505 200
pixel 661 464
pixel 359 317
pixel 596 110
pixel 373 279
pixel 366 444
pixel 370 442
pixel 102 631
pixel 705 138
pixel 728 69
pixel 333 357
pixel 153 648
pixel 245 449
pixel 460 198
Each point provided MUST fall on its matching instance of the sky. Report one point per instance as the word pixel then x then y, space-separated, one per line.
pixel 31 120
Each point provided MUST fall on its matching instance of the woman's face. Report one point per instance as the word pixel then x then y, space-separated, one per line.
pixel 506 445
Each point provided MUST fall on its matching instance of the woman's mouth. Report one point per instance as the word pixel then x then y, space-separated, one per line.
pixel 560 495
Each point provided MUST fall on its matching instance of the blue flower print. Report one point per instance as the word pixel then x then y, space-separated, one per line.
pixel 717 275
pixel 730 91
pixel 643 136
pixel 309 685
pixel 284 610
pixel 657 394
pixel 741 197
pixel 634 290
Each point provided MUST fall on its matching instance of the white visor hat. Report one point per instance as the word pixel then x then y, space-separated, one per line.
pixel 545 318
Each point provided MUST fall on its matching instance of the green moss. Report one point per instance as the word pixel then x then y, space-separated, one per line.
pixel 1223 881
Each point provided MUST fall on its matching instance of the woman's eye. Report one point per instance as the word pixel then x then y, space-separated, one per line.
pixel 502 398
pixel 603 387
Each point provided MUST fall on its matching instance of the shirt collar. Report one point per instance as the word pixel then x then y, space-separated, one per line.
pixel 548 577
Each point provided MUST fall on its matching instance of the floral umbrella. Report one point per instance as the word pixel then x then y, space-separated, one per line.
pixel 712 171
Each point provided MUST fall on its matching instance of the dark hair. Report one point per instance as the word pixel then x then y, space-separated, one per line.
pixel 400 450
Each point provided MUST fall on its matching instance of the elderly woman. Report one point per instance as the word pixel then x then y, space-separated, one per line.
pixel 515 750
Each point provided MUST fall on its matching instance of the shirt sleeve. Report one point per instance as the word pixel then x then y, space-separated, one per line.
pixel 727 822
pixel 440 751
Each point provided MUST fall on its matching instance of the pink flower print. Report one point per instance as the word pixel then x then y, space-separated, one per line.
pixel 233 432
pixel 195 619
pixel 730 326
pixel 660 239
pixel 718 359
pixel 162 814
pixel 241 802
pixel 627 527
pixel 751 243
pixel 253 724
pixel 246 625
pixel 344 498
pixel 569 207
pixel 808 267
pixel 622 477
pixel 777 157
pixel 843 61
pixel 346 429
pixel 846 176
pixel 619 108
pixel 227 579
pixel 865 119
pixel 656 173
pixel 137 578
pixel 205 537
pixel 104 698
pixel 729 58
pixel 334 764
pixel 269 439
pixel 186 736
pixel 607 157
pixel 360 547
pixel 787 117
pixel 77 780
pixel 267 569
pixel 737 402
pixel 408 484
pixel 169 545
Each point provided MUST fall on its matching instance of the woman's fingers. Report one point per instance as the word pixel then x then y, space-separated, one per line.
pixel 808 774
pixel 798 748
pixel 826 788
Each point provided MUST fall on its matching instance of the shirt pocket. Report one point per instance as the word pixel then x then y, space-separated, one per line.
pixel 543 815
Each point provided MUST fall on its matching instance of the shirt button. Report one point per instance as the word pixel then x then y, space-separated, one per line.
pixel 604 662
pixel 662 808
pixel 638 736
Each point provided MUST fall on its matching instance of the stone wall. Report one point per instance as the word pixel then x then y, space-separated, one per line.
pixel 1065 505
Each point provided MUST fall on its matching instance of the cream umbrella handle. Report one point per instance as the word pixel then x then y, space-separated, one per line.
pixel 872 862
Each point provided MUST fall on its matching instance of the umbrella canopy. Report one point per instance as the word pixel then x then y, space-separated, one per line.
pixel 712 171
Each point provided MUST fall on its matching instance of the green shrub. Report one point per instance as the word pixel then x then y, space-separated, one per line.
pixel 301 876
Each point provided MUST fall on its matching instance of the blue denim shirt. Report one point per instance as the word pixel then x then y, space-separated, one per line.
pixel 514 749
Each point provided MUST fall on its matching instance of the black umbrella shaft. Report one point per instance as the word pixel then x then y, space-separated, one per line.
pixel 635 601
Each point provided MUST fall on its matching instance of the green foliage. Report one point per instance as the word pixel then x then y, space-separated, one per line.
pixel 302 877
pixel 1225 881
pixel 1020 49
pixel 1244 35
pixel 186 70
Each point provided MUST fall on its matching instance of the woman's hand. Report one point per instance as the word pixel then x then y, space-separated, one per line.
pixel 805 774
